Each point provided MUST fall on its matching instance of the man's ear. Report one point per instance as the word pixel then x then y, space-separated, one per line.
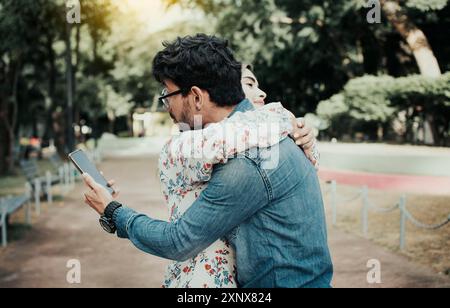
pixel 198 98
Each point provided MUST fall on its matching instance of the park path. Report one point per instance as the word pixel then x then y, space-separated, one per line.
pixel 69 230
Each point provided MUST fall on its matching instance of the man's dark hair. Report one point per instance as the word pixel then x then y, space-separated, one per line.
pixel 203 61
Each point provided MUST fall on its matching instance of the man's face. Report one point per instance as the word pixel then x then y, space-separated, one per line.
pixel 251 88
pixel 179 107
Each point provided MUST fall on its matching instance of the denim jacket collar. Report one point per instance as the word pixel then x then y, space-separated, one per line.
pixel 243 106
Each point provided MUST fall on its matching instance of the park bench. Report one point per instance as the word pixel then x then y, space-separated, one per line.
pixel 32 172
pixel 56 161
pixel 58 164
pixel 43 184
pixel 40 184
pixel 10 205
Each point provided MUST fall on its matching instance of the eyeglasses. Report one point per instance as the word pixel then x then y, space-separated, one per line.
pixel 165 95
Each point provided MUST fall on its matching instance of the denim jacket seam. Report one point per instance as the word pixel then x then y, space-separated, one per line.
pixel 264 177
pixel 305 177
pixel 267 184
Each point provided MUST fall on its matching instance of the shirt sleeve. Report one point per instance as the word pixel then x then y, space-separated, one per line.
pixel 235 192
pixel 316 154
pixel 196 152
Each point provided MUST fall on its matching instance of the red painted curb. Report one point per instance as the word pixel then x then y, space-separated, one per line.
pixel 404 183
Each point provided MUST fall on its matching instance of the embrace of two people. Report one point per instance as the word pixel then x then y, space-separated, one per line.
pixel 244 199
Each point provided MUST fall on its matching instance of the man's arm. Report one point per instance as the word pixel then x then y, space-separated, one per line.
pixel 235 193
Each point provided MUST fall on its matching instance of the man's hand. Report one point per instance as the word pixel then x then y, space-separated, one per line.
pixel 304 137
pixel 98 197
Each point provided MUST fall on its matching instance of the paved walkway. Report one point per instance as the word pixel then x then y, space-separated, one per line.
pixel 386 159
pixel 70 230
pixel 352 253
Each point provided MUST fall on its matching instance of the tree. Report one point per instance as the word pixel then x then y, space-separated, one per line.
pixel 115 105
pixel 33 62
pixel 18 19
pixel 415 37
pixel 376 100
pixel 416 40
pixel 306 51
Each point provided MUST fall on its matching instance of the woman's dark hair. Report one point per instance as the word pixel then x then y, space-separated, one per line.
pixel 203 61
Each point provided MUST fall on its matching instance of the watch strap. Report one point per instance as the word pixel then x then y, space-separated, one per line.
pixel 110 209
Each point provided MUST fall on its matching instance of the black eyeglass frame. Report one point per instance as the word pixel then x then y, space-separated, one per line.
pixel 164 98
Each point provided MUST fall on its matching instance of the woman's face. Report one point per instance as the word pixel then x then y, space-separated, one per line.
pixel 251 88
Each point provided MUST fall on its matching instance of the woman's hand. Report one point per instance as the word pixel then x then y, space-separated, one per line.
pixel 304 137
pixel 98 196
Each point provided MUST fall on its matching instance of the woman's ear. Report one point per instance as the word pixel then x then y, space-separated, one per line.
pixel 198 97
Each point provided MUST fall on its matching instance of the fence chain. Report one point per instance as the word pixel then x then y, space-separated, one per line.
pixel 377 209
pixel 367 205
pixel 421 225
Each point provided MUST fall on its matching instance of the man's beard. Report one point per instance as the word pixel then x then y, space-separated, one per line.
pixel 186 119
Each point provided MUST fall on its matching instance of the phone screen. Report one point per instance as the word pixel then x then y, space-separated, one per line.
pixel 84 165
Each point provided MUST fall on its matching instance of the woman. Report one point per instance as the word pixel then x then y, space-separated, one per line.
pixel 304 137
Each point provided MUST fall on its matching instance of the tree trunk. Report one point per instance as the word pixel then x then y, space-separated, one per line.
pixel 3 115
pixel 415 38
pixel 3 135
pixel 74 73
pixel 49 131
pixel 111 118
pixel 59 133
pixel 111 125
pixel 8 115
pixel 421 49
pixel 12 126
pixel 69 87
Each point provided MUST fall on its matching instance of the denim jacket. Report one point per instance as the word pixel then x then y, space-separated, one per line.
pixel 267 203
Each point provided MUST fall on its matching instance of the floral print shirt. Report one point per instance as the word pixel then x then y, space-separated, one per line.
pixel 185 167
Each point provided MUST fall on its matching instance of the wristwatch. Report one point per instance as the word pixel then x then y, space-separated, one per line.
pixel 106 220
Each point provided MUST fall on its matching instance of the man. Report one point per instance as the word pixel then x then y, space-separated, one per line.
pixel 274 218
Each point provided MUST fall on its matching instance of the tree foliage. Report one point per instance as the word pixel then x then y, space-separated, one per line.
pixel 379 99
pixel 306 52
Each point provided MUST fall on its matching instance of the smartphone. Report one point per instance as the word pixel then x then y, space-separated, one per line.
pixel 84 165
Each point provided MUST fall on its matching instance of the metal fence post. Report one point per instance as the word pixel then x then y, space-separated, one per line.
pixel 3 213
pixel 37 195
pixel 61 178
pixel 71 176
pixel 66 177
pixel 76 174
pixel 28 191
pixel 48 188
pixel 365 211
pixel 402 222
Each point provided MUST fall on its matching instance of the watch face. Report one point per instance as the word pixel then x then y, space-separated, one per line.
pixel 106 225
